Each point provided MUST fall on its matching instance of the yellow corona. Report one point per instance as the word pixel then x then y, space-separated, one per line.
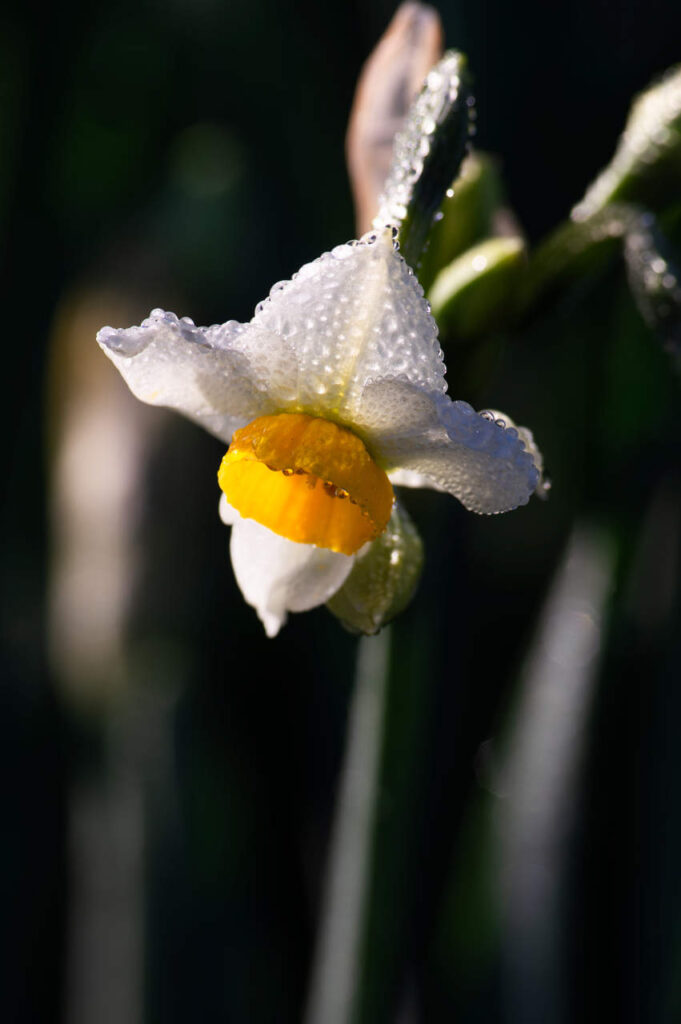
pixel 307 479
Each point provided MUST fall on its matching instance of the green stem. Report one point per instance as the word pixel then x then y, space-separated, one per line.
pixel 336 968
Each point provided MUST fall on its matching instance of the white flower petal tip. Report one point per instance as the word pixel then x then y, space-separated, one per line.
pixel 221 376
pixel 277 576
pixel 543 485
pixel 499 474
pixel 426 440
pixel 130 341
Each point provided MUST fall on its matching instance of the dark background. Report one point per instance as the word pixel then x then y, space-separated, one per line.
pixel 188 156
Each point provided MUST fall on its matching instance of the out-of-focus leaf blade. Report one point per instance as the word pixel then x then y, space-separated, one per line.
pixel 467 215
pixel 575 251
pixel 476 293
pixel 540 779
pixel 337 974
pixel 655 279
pixel 428 153
pixel 646 167
pixel 399 825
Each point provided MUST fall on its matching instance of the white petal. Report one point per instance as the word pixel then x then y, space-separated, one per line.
pixel 527 437
pixel 277 576
pixel 218 376
pixel 355 313
pixel 227 512
pixel 410 478
pixel 453 448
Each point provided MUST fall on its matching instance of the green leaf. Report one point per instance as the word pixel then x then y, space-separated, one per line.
pixel 574 251
pixel 646 167
pixel 477 292
pixel 427 154
pixel 383 579
pixel 467 214
pixel 655 279
pixel 539 770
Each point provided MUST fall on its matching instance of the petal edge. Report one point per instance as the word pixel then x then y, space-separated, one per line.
pixel 472 456
pixel 278 576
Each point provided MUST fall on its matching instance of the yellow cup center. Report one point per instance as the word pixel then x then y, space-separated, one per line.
pixel 307 479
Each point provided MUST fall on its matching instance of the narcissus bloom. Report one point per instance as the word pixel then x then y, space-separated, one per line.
pixel 332 393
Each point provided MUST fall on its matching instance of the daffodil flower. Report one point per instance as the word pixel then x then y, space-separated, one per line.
pixel 332 393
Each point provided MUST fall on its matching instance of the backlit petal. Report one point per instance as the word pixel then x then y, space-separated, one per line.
pixel 278 576
pixel 356 313
pixel 218 376
pixel 410 478
pixel 449 445
pixel 527 437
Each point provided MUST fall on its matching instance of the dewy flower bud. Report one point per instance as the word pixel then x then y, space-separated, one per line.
pixel 383 578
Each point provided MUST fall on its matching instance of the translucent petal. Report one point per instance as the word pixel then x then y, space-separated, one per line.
pixel 527 437
pixel 278 576
pixel 218 376
pixel 355 313
pixel 481 462
pixel 410 478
